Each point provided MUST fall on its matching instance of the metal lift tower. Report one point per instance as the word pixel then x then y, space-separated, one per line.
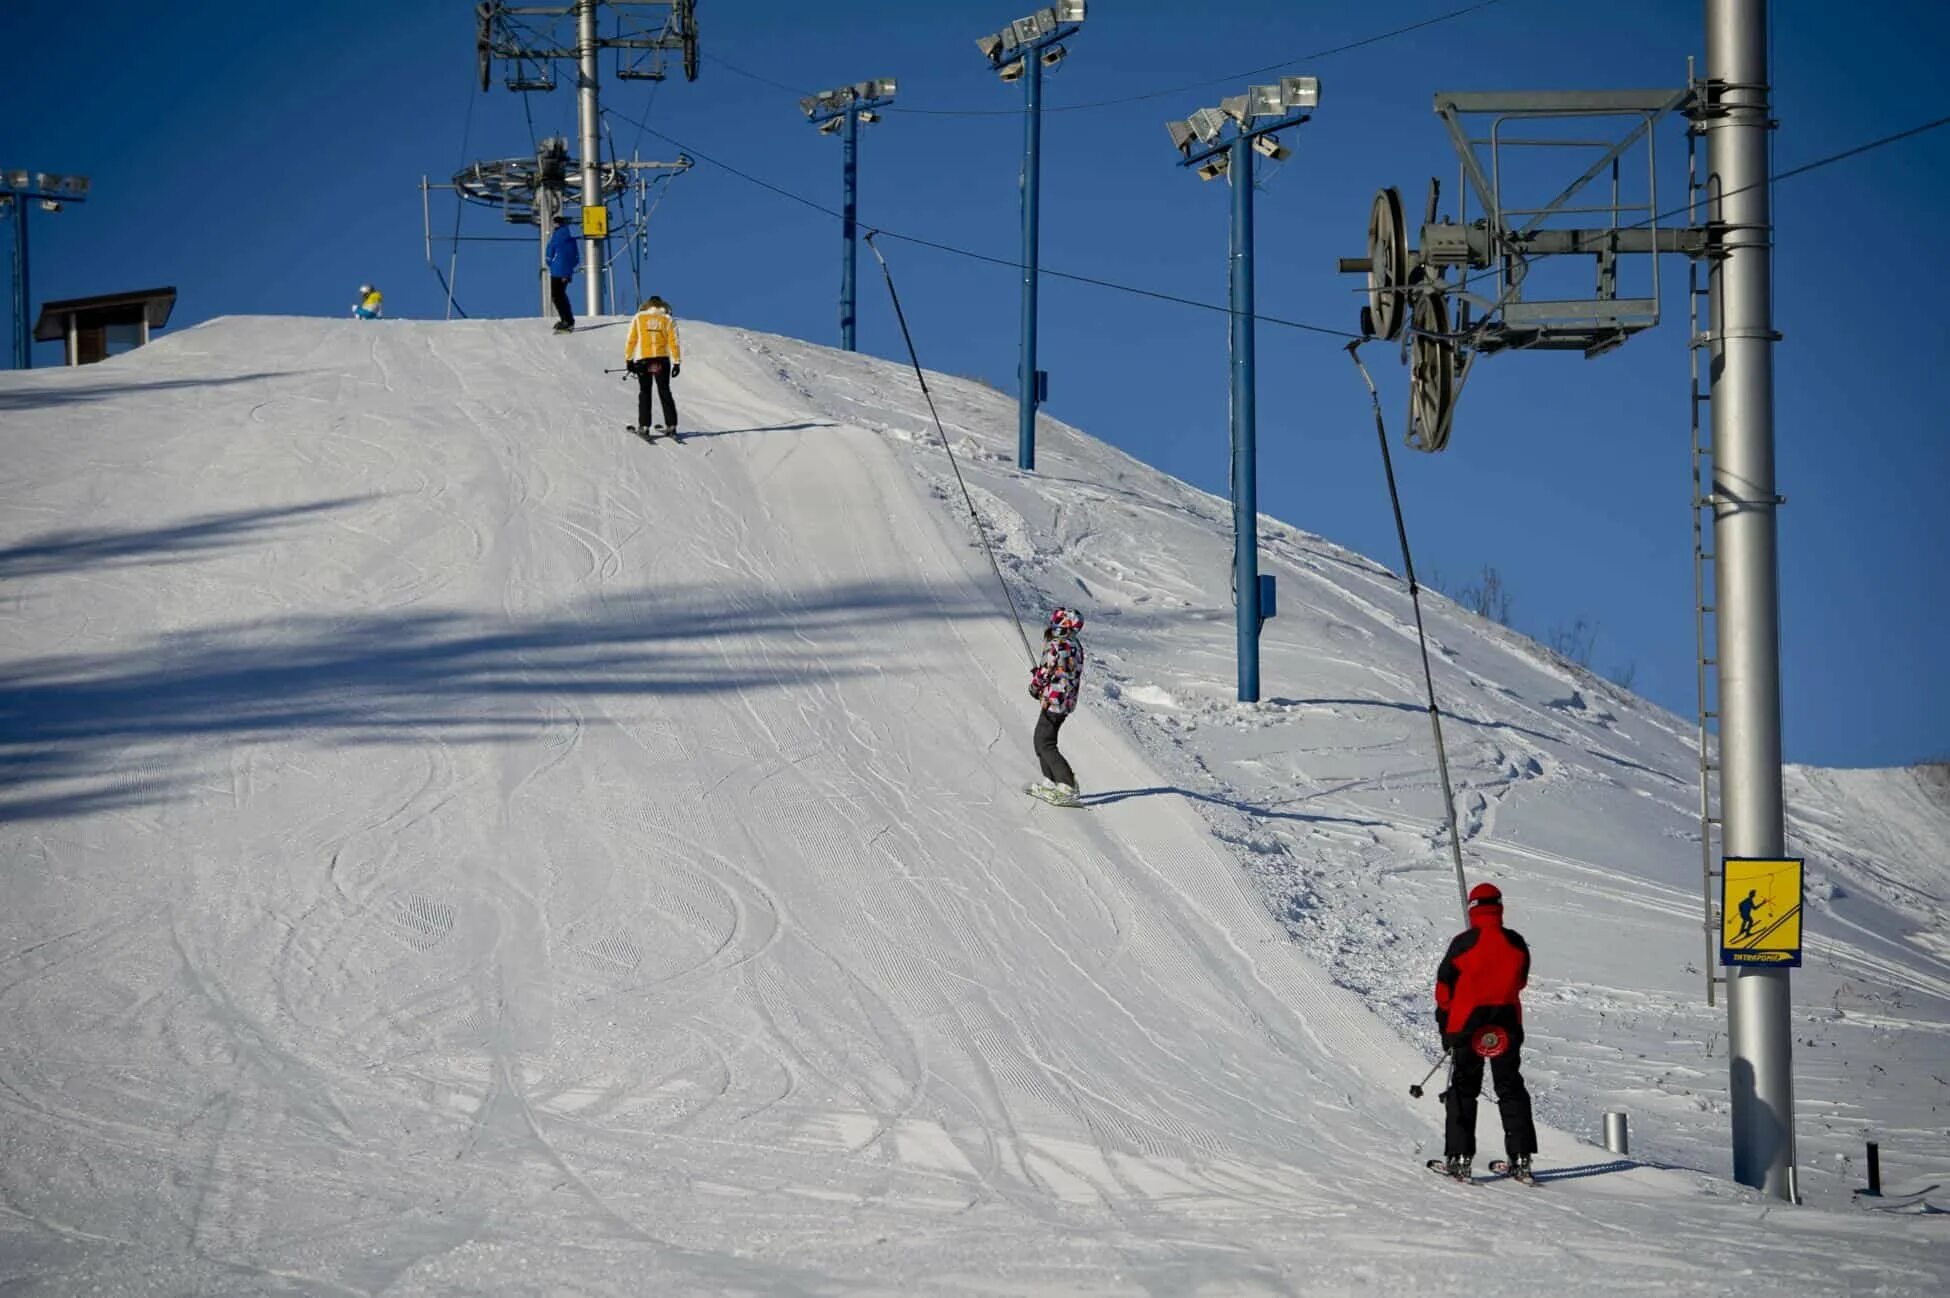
pixel 646 30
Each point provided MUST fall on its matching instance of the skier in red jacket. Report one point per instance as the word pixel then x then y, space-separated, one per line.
pixel 1478 1008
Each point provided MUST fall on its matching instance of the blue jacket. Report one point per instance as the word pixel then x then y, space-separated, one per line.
pixel 563 255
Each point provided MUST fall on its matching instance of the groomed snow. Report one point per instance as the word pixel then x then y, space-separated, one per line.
pixel 452 847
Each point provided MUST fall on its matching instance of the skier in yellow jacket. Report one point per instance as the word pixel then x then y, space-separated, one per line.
pixel 654 357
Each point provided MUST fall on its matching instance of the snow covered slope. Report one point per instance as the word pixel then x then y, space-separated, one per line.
pixel 451 847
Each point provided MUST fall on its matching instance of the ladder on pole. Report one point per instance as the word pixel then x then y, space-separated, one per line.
pixel 1705 583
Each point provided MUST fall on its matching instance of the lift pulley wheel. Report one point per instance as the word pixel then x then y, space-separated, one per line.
pixel 1431 374
pixel 1387 264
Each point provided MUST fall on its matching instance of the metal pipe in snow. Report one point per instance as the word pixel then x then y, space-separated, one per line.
pixel 1617 1139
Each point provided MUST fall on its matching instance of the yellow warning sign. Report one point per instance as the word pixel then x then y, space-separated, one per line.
pixel 595 223
pixel 1760 912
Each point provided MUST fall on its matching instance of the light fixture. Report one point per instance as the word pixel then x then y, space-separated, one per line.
pixel 1264 101
pixel 1269 145
pixel 19 180
pixel 1054 55
pixel 1213 167
pixel 830 126
pixel 1206 123
pixel 809 104
pixel 1300 92
pixel 868 115
pixel 1234 106
pixel 1069 11
pixel 991 46
pixel 50 205
pixel 1012 71
pixel 883 88
pixel 1182 135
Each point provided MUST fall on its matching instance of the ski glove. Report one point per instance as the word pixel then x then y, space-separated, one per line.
pixel 675 370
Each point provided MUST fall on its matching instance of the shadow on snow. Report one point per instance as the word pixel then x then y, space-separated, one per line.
pixel 81 733
pixel 37 395
pixel 70 549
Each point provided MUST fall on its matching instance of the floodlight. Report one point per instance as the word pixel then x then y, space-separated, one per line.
pixel 991 46
pixel 1182 135
pixel 1300 92
pixel 1264 101
pixel 44 182
pixel 862 89
pixel 867 115
pixel 883 88
pixel 1270 146
pixel 19 180
pixel 78 186
pixel 1206 123
pixel 830 126
pixel 1069 11
pixel 1037 24
pixel 49 205
pixel 1012 71
pixel 1054 55
pixel 1234 106
pixel 1213 167
pixel 809 104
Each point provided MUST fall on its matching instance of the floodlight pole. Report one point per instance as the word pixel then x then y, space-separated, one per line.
pixel 1245 455
pixel 849 220
pixel 1759 1008
pixel 590 114
pixel 1032 140
pixel 1235 157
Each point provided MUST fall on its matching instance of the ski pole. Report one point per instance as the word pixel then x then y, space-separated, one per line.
pixel 1415 1091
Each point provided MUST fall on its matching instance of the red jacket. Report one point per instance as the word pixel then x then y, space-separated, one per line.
pixel 1481 974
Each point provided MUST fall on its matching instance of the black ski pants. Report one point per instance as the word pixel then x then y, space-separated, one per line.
pixel 1054 767
pixel 558 292
pixel 1512 1099
pixel 648 371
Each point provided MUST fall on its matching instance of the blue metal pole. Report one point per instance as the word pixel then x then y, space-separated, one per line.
pixel 849 153
pixel 1245 486
pixel 1032 81
pixel 23 303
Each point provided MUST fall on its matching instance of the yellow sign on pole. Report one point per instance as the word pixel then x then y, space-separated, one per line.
pixel 1760 912
pixel 595 223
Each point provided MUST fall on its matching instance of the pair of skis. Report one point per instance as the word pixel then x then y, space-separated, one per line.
pixel 1498 1167
pixel 651 434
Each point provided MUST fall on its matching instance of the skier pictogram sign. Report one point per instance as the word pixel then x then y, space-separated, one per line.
pixel 1760 912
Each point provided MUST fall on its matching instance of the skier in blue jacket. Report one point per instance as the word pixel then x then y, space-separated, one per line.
pixel 563 256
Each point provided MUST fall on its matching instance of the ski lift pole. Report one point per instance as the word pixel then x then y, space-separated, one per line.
pixel 1421 637
pixel 981 531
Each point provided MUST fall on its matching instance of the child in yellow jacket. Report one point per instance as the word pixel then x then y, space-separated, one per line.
pixel 653 355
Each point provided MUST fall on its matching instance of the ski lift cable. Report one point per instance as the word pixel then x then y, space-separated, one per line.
pixel 921 376
pixel 1008 262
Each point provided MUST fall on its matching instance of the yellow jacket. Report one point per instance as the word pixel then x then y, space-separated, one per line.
pixel 371 301
pixel 654 333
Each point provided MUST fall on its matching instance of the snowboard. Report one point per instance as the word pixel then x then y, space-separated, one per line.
pixel 1043 791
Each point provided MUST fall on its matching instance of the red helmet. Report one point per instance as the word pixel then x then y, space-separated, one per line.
pixel 1485 893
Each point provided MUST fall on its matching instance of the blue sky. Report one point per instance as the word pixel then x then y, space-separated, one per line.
pixel 272 165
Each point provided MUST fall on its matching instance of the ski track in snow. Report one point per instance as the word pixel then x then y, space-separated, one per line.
pixel 456 847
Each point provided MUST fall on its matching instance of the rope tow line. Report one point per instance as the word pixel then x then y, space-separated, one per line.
pixel 887 274
pixel 1421 637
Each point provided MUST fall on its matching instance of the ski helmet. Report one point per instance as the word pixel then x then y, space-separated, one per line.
pixel 365 288
pixel 1485 894
pixel 1065 619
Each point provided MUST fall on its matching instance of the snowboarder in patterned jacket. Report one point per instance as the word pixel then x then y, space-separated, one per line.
pixel 1480 1012
pixel 1054 684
